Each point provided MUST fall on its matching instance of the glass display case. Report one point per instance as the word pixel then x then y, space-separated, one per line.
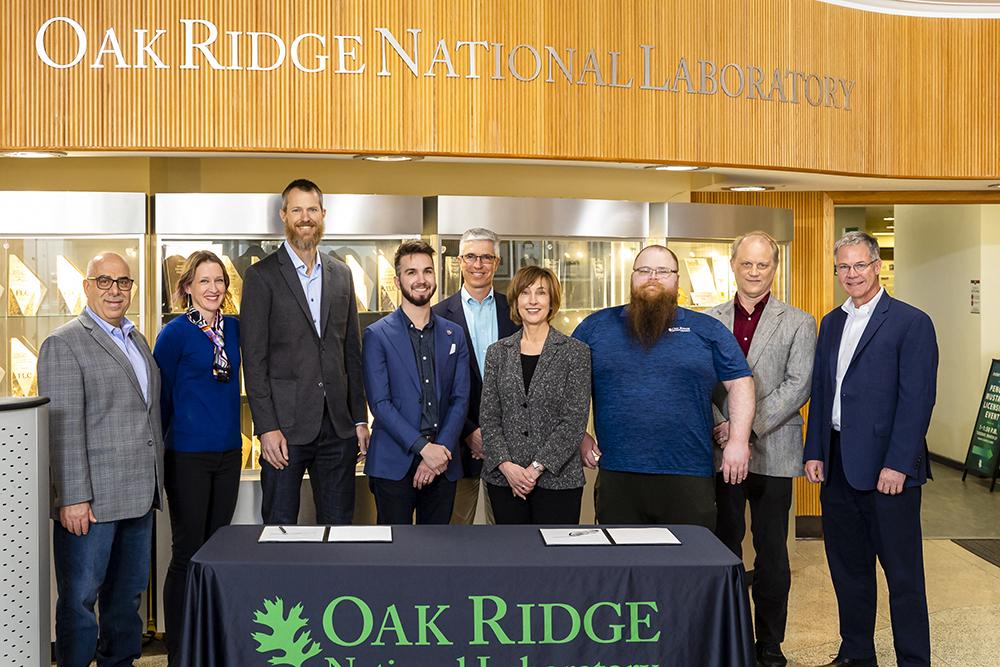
pixel 246 228
pixel 42 273
pixel 589 244
pixel 702 235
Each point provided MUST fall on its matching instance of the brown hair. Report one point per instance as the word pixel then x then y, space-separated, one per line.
pixel 194 260
pixel 412 247
pixel 525 277
pixel 300 184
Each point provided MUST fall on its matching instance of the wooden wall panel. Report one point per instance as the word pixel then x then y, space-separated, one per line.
pixel 922 104
pixel 811 273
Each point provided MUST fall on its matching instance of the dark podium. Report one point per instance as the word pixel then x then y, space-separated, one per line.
pixel 467 596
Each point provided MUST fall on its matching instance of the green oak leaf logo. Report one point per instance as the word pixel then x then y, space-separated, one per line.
pixel 294 651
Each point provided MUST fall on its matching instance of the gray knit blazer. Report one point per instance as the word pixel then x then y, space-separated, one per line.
pixel 544 425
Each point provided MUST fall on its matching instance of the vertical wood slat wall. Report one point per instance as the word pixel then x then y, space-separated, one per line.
pixel 924 87
pixel 812 276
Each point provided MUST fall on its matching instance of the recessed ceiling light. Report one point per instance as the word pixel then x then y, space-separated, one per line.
pixel 676 167
pixel 888 219
pixel 890 226
pixel 389 158
pixel 749 188
pixel 35 154
pixel 882 234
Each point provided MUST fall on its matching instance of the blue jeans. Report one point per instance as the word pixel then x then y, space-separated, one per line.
pixel 110 566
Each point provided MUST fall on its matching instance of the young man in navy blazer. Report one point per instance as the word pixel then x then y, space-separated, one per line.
pixel 484 316
pixel 417 367
pixel 874 381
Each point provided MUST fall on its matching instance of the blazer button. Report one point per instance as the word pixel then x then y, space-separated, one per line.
pixel 524 405
pixel 150 443
pixel 321 384
pixel 525 434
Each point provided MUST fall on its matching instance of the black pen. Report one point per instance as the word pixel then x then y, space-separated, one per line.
pixel 282 529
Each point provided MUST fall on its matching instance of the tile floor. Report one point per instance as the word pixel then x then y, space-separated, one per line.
pixel 963 590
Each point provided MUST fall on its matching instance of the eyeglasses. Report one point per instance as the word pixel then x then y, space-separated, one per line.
pixel 858 268
pixel 647 272
pixel 470 258
pixel 104 282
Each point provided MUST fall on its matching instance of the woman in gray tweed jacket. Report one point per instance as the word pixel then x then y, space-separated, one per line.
pixel 536 401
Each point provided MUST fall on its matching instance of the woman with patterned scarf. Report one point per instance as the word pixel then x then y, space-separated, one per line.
pixel 199 358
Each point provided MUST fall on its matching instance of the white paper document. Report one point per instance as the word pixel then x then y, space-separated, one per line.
pixel 642 536
pixel 292 534
pixel 562 537
pixel 360 534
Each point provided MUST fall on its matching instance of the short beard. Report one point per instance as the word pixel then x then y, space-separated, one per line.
pixel 301 244
pixel 415 301
pixel 649 315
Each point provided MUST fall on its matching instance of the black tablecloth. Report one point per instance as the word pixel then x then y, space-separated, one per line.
pixel 465 596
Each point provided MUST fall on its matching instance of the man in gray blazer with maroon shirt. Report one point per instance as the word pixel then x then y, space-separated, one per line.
pixel 301 345
pixel 779 342
pixel 105 467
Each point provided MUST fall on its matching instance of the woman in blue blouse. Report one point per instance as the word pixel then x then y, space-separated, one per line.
pixel 199 358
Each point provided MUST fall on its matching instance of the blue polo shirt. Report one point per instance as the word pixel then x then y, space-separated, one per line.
pixel 653 408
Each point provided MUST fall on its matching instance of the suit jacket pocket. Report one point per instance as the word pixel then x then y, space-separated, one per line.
pixel 283 397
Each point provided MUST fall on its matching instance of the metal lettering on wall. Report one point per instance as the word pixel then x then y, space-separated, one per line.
pixel 418 54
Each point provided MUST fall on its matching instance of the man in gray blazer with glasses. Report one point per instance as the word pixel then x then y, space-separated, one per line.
pixel 106 469
pixel 779 342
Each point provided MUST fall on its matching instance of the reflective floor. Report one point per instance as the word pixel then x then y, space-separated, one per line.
pixel 963 590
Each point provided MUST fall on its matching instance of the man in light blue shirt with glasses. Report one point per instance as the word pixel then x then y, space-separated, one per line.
pixel 484 315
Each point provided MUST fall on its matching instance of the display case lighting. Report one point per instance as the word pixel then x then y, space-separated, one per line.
pixel 994 185
pixel 34 154
pixel 749 188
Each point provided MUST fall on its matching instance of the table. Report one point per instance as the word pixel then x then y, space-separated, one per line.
pixel 465 596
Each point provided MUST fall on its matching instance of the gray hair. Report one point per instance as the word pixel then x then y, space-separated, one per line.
pixel 480 234
pixel 764 235
pixel 858 238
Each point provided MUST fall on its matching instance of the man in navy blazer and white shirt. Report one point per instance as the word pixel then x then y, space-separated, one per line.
pixel 874 382
pixel 416 366
pixel 484 316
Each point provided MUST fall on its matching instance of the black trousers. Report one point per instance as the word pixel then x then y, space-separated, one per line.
pixel 858 527
pixel 331 463
pixel 640 498
pixel 770 501
pixel 542 507
pixel 201 489
pixel 396 501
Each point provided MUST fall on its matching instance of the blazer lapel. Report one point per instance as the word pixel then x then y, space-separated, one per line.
pixel 444 338
pixel 399 338
pixel 837 322
pixel 324 302
pixel 511 364
pixel 104 340
pixel 291 276
pixel 766 326
pixel 456 313
pixel 877 318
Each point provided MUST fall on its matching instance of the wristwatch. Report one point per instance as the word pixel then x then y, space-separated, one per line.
pixel 538 467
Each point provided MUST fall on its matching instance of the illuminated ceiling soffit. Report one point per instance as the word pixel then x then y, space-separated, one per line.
pixel 985 9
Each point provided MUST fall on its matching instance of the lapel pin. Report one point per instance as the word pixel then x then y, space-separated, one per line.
pixel 449 331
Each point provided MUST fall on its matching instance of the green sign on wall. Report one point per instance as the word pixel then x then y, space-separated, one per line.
pixel 984 450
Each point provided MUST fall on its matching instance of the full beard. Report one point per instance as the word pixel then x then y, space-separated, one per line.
pixel 417 300
pixel 304 244
pixel 650 314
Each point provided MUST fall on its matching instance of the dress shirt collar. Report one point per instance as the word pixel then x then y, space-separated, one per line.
pixel 412 327
pixel 759 307
pixel 469 299
pixel 297 262
pixel 865 310
pixel 126 327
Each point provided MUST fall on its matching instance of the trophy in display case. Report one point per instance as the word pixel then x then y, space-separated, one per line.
pixel 69 284
pixel 23 369
pixel 25 291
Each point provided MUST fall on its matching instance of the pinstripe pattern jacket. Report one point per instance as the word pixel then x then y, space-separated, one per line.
pixel 547 423
pixel 105 441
